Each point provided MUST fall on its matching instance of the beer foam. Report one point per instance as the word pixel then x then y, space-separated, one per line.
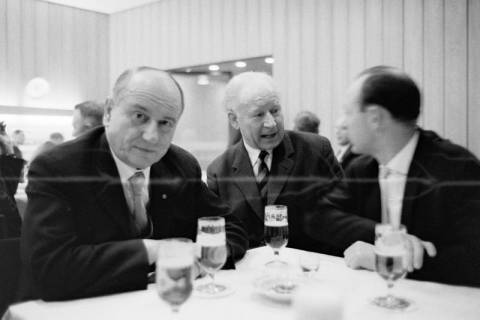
pixel 275 223
pixel 211 240
pixel 175 262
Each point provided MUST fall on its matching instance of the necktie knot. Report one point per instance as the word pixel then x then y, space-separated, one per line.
pixel 137 182
pixel 263 154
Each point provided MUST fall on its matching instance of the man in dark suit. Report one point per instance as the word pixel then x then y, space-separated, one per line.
pixel 421 180
pixel 292 161
pixel 97 203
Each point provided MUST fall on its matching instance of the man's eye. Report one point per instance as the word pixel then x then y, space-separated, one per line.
pixel 140 117
pixel 166 123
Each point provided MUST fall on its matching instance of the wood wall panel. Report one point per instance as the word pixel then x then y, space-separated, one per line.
pixel 473 67
pixel 68 47
pixel 320 45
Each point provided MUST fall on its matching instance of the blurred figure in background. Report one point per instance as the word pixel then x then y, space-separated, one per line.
pixel 54 139
pixel 10 173
pixel 344 154
pixel 18 139
pixel 86 115
pixel 307 121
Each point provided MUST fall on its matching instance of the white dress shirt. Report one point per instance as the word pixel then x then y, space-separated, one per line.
pixel 392 178
pixel 254 161
pixel 125 172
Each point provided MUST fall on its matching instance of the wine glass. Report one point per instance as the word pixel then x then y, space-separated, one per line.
pixel 276 231
pixel 391 262
pixel 309 263
pixel 211 252
pixel 174 271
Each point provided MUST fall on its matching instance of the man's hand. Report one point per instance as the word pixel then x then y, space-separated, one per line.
pixel 152 250
pixel 362 254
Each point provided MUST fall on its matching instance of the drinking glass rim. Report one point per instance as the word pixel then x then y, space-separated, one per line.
pixel 211 218
pixel 276 206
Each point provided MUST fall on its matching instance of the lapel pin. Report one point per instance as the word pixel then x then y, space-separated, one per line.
pixel 164 196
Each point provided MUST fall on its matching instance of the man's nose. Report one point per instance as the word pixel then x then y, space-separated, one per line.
pixel 269 120
pixel 150 132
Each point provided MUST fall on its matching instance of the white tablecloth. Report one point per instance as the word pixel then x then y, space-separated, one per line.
pixel 431 300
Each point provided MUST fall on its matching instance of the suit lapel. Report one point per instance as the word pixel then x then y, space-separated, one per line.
pixel 417 181
pixel 244 178
pixel 109 189
pixel 282 165
pixel 164 184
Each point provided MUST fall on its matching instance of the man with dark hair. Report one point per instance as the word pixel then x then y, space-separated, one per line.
pixel 307 121
pixel 98 204
pixel 408 176
pixel 269 165
pixel 344 154
pixel 86 115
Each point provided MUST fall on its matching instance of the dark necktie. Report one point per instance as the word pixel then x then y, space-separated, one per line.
pixel 137 182
pixel 262 176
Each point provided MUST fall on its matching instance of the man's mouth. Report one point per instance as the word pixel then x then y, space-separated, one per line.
pixel 269 136
pixel 145 150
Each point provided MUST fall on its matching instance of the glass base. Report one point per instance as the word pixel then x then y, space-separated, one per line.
pixel 391 303
pixel 276 264
pixel 209 290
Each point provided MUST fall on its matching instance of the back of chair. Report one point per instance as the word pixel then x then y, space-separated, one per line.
pixel 9 271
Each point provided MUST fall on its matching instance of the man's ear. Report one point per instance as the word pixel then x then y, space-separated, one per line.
pixel 375 115
pixel 107 111
pixel 233 119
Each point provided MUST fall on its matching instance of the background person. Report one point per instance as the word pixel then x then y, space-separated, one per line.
pixel 307 121
pixel 86 115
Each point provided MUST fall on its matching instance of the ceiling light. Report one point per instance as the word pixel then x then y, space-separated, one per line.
pixel 213 67
pixel 202 80
pixel 269 60
pixel 240 64
pixel 188 70
pixel 37 88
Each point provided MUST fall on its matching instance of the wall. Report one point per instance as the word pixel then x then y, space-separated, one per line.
pixel 319 45
pixel 66 46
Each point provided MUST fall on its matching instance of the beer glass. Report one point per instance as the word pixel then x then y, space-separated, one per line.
pixel 211 252
pixel 174 271
pixel 276 231
pixel 390 262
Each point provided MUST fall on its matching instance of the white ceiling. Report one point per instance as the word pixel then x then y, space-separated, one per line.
pixel 103 6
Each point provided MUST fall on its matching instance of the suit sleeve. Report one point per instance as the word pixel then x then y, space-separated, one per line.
pixel 458 254
pixel 60 265
pixel 236 235
pixel 329 156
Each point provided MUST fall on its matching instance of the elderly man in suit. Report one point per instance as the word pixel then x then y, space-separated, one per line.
pixel 269 165
pixel 421 180
pixel 98 203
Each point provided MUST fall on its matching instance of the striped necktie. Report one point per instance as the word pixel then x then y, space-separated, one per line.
pixel 262 176
pixel 139 214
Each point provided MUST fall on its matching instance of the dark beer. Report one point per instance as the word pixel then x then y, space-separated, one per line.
pixel 276 235
pixel 390 266
pixel 174 283
pixel 212 258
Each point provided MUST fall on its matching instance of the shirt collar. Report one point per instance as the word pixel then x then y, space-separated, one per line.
pixel 400 163
pixel 253 153
pixel 125 171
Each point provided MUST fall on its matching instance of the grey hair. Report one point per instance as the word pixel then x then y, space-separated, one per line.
pixel 242 83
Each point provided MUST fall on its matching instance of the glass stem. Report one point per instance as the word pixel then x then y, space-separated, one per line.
pixel 212 281
pixel 276 253
pixel 389 290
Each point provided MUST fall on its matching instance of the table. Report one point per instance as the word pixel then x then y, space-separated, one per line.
pixel 432 300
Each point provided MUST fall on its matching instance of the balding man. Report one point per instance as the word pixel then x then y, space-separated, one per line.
pixel 97 203
pixel 268 165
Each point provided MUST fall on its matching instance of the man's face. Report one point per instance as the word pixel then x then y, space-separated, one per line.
pixel 141 123
pixel 260 120
pixel 358 129
pixel 341 133
pixel 77 123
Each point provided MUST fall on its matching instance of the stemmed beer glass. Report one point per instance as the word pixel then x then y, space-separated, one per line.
pixel 211 252
pixel 276 231
pixel 174 271
pixel 391 262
